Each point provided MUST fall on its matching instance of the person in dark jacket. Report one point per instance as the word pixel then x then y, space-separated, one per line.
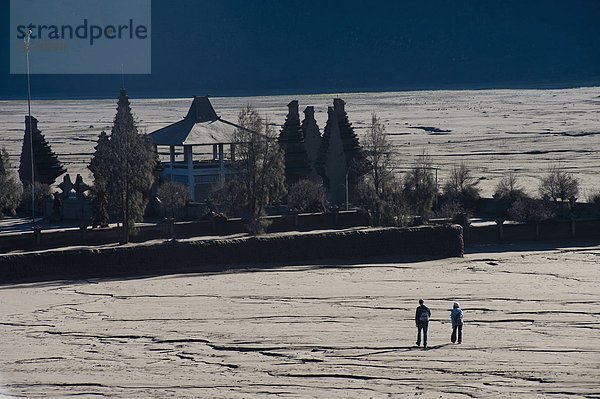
pixel 422 316
pixel 457 323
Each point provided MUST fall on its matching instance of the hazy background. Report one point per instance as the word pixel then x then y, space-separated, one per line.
pixel 259 47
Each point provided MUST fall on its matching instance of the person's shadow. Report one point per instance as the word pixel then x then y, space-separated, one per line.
pixel 403 349
pixel 434 346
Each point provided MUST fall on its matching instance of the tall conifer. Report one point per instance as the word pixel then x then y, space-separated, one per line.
pixel 128 171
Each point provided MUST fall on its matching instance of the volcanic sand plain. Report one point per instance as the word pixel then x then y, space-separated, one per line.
pixel 331 330
pixel 328 330
pixel 494 132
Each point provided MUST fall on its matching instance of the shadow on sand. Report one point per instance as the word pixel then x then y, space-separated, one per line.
pixel 529 246
pixel 391 261
pixel 413 348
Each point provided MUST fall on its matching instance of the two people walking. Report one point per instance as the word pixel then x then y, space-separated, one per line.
pixel 422 316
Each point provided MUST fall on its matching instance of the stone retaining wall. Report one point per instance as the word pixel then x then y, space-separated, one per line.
pixel 28 241
pixel 545 231
pixel 221 254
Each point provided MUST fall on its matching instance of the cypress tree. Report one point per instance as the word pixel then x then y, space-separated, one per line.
pixel 100 168
pixel 124 168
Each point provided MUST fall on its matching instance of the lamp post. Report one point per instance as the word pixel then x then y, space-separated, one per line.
pixel 27 46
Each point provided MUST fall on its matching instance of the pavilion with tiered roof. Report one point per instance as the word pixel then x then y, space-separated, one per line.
pixel 198 132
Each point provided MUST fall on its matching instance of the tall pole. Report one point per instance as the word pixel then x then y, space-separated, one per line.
pixel 347 171
pixel 27 40
pixel 436 189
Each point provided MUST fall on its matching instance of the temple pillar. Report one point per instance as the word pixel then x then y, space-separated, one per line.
pixel 221 162
pixel 189 159
pixel 172 156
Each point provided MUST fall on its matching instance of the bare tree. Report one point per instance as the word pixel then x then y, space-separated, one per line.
pixel 461 187
pixel 508 191
pixel 419 186
pixel 559 185
pixel 379 152
pixel 260 173
pixel 378 192
pixel 509 186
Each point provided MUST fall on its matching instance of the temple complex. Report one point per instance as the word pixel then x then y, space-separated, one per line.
pixel 291 140
pixel 336 159
pixel 197 155
pixel 46 165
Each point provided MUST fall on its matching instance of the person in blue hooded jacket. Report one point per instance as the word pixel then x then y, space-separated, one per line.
pixel 457 323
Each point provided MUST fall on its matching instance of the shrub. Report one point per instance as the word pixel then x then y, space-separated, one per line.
pixel 450 209
pixel 307 196
pixel 10 187
pixel 530 210
pixel 594 198
pixel 173 196
pixel 419 187
pixel 385 209
pixel 507 193
pixel 227 196
pixel 42 192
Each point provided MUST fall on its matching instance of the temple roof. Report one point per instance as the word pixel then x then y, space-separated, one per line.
pixel 201 126
pixel 291 140
pixel 47 167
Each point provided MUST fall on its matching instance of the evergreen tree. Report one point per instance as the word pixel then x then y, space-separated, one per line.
pixel 100 168
pixel 124 167
pixel 10 187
